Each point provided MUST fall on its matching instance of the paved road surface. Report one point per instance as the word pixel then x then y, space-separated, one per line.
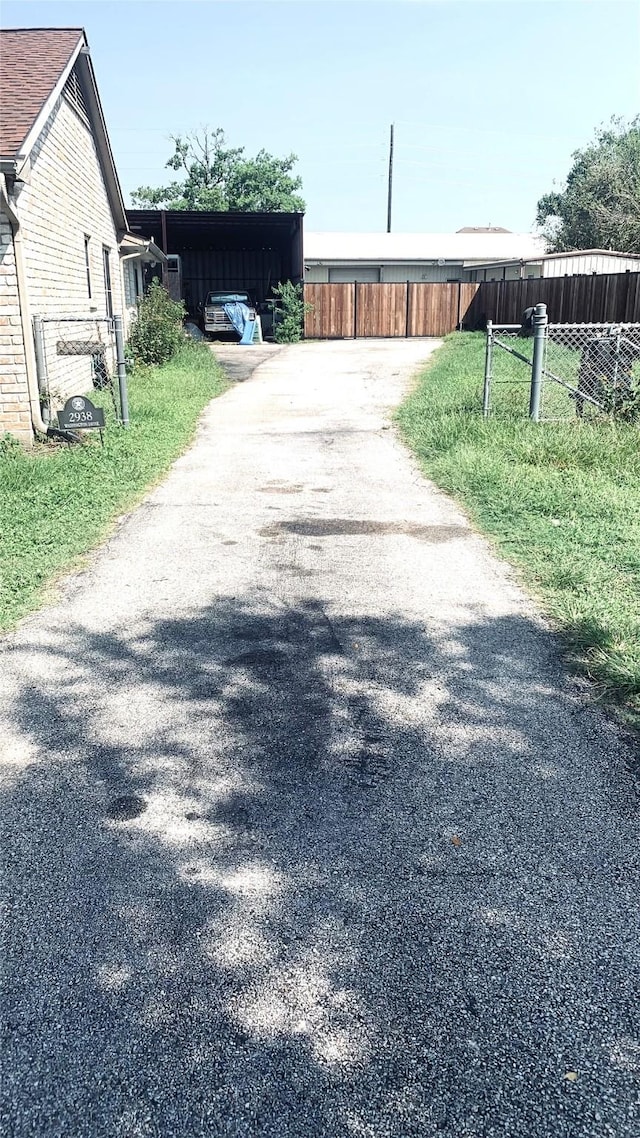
pixel 305 832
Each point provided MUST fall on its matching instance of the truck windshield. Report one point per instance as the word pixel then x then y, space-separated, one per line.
pixel 227 298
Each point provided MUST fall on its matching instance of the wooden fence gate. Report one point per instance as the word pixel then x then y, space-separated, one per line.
pixel 358 310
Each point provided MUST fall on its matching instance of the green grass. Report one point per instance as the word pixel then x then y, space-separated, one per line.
pixel 57 502
pixel 561 502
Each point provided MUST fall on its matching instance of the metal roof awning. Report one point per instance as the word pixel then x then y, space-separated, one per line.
pixel 178 231
pixel 130 244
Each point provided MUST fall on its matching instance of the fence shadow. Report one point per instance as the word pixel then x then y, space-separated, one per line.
pixel 274 874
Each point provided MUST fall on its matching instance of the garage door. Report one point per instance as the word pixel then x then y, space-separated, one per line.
pixel 367 274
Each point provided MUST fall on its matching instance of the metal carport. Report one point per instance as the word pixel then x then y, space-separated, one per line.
pixel 218 250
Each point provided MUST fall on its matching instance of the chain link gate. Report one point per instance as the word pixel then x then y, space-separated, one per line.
pixel 76 353
pixel 507 375
pixel 587 371
pixel 591 370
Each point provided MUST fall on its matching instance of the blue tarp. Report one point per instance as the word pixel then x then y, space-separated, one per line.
pixel 238 314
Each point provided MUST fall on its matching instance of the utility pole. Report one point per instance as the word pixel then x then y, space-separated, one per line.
pixel 390 181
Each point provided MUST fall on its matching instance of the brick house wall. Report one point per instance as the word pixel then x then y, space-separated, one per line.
pixel 14 397
pixel 63 205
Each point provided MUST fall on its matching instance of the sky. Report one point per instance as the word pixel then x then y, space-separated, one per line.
pixel 489 100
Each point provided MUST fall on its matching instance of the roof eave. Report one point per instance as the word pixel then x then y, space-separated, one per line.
pixel 591 253
pixel 506 262
pixel 102 143
pixel 156 252
pixel 364 261
pixel 131 245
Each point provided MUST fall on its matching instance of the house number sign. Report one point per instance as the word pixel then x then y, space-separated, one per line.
pixel 79 413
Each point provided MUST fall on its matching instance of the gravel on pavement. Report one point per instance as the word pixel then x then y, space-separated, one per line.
pixel 305 830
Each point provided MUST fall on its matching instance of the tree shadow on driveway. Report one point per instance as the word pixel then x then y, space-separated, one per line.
pixel 274 872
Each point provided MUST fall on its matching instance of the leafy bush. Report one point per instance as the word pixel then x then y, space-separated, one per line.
pixel 157 333
pixel 628 409
pixel 9 445
pixel 289 310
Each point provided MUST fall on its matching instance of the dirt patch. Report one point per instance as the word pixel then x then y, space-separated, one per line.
pixel 239 362
pixel 289 488
pixel 363 527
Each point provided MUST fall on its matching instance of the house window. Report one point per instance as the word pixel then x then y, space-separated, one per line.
pixel 87 263
pixel 107 280
pixel 134 281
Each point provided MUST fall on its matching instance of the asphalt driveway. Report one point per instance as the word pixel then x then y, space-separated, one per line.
pixel 305 832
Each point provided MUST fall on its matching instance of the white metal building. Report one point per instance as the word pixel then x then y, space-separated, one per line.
pixel 581 262
pixel 398 257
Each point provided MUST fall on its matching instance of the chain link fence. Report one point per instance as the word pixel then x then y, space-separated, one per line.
pixel 74 354
pixel 586 371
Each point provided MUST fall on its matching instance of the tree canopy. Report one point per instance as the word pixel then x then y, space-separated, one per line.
pixel 217 177
pixel 599 207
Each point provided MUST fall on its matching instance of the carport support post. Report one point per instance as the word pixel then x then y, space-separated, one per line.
pixel 540 321
pixel 122 371
pixel 486 394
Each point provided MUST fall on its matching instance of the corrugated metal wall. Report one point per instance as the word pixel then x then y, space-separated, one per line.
pixel 589 263
pixel 502 272
pixel 203 271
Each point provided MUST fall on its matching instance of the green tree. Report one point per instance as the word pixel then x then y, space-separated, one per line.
pixel 289 307
pixel 217 177
pixel 599 207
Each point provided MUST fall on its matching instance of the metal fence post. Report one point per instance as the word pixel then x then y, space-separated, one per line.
pixel 540 321
pixel 486 394
pixel 122 371
pixel 41 368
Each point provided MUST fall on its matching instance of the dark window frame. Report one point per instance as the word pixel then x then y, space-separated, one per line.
pixel 87 262
pixel 108 290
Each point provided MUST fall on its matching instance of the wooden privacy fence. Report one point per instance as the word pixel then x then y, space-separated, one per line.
pixel 594 299
pixel 342 311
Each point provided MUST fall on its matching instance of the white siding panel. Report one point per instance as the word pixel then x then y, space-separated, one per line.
pixel 316 274
pixel 389 274
pixel 416 273
pixel 344 274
